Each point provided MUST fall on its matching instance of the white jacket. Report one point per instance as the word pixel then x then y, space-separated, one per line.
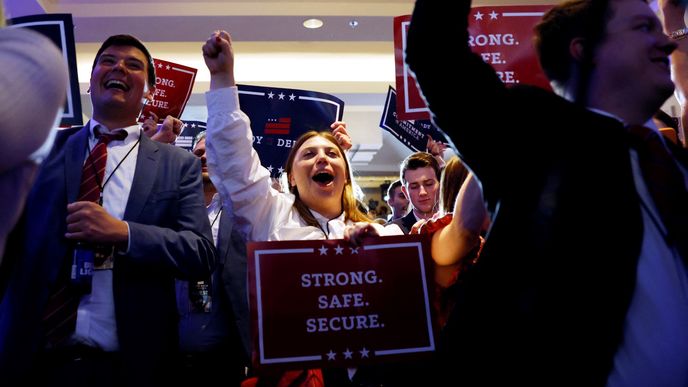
pixel 261 213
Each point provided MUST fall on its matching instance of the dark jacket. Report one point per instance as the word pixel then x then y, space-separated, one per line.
pixel 169 237
pixel 547 301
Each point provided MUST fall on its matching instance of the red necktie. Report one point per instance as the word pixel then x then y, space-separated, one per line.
pixel 666 185
pixel 59 319
pixel 93 171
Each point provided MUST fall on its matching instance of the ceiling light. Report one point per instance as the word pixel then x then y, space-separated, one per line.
pixel 313 23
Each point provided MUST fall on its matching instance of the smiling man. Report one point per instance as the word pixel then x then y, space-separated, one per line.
pixel 113 218
pixel 582 279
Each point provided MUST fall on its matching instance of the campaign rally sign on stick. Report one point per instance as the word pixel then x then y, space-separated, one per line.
pixel 279 116
pixel 173 84
pixel 501 35
pixel 413 134
pixel 60 29
pixel 326 303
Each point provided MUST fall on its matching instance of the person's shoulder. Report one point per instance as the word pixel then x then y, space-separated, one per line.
pixel 66 132
pixel 410 217
pixel 531 91
pixel 393 221
pixel 390 229
pixel 63 135
pixel 402 223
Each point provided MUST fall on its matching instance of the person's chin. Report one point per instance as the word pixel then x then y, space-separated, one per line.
pixel 425 210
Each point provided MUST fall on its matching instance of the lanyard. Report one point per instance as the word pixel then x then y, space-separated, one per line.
pixel 95 172
pixel 216 216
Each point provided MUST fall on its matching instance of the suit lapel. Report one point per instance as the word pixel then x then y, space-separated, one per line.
pixel 409 221
pixel 144 177
pixel 75 153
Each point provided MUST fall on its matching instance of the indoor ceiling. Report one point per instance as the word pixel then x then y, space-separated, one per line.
pixel 351 56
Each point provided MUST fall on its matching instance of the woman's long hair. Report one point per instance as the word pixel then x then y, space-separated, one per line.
pixel 453 176
pixel 349 203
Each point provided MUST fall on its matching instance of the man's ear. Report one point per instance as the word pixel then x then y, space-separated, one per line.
pixel 577 49
pixel 403 189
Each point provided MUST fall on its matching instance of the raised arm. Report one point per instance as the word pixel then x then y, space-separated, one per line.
pixel 218 55
pixel 454 242
pixel 234 166
pixel 484 139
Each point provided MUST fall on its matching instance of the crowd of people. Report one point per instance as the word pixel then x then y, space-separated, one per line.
pixel 126 264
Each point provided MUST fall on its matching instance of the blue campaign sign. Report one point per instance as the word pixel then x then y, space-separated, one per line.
pixel 413 134
pixel 60 29
pixel 279 116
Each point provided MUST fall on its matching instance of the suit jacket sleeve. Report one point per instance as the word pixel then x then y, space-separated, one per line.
pixel 482 137
pixel 180 237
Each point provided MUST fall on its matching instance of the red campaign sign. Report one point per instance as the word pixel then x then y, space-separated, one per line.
pixel 410 103
pixel 326 304
pixel 501 35
pixel 173 85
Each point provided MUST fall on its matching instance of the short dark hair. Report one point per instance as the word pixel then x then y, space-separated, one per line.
pixel 560 25
pixel 391 188
pixel 129 41
pixel 419 160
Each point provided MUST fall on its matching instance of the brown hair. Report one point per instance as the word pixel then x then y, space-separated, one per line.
pixel 453 176
pixel 349 203
pixel 560 25
pixel 419 160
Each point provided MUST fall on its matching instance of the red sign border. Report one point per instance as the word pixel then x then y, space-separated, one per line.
pixel 255 249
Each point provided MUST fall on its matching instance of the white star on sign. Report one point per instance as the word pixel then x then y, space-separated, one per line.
pixel 339 250
pixel 159 65
pixel 323 250
pixel 292 96
pixel 280 170
pixel 364 352
pixel 281 95
pixel 347 354
pixel 270 168
pixel 354 250
pixel 167 67
pixel 478 16
pixel 493 15
pixel 270 95
pixel 331 355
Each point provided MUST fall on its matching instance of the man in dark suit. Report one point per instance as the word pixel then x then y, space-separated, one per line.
pixel 420 178
pixel 151 219
pixel 214 324
pixel 579 281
